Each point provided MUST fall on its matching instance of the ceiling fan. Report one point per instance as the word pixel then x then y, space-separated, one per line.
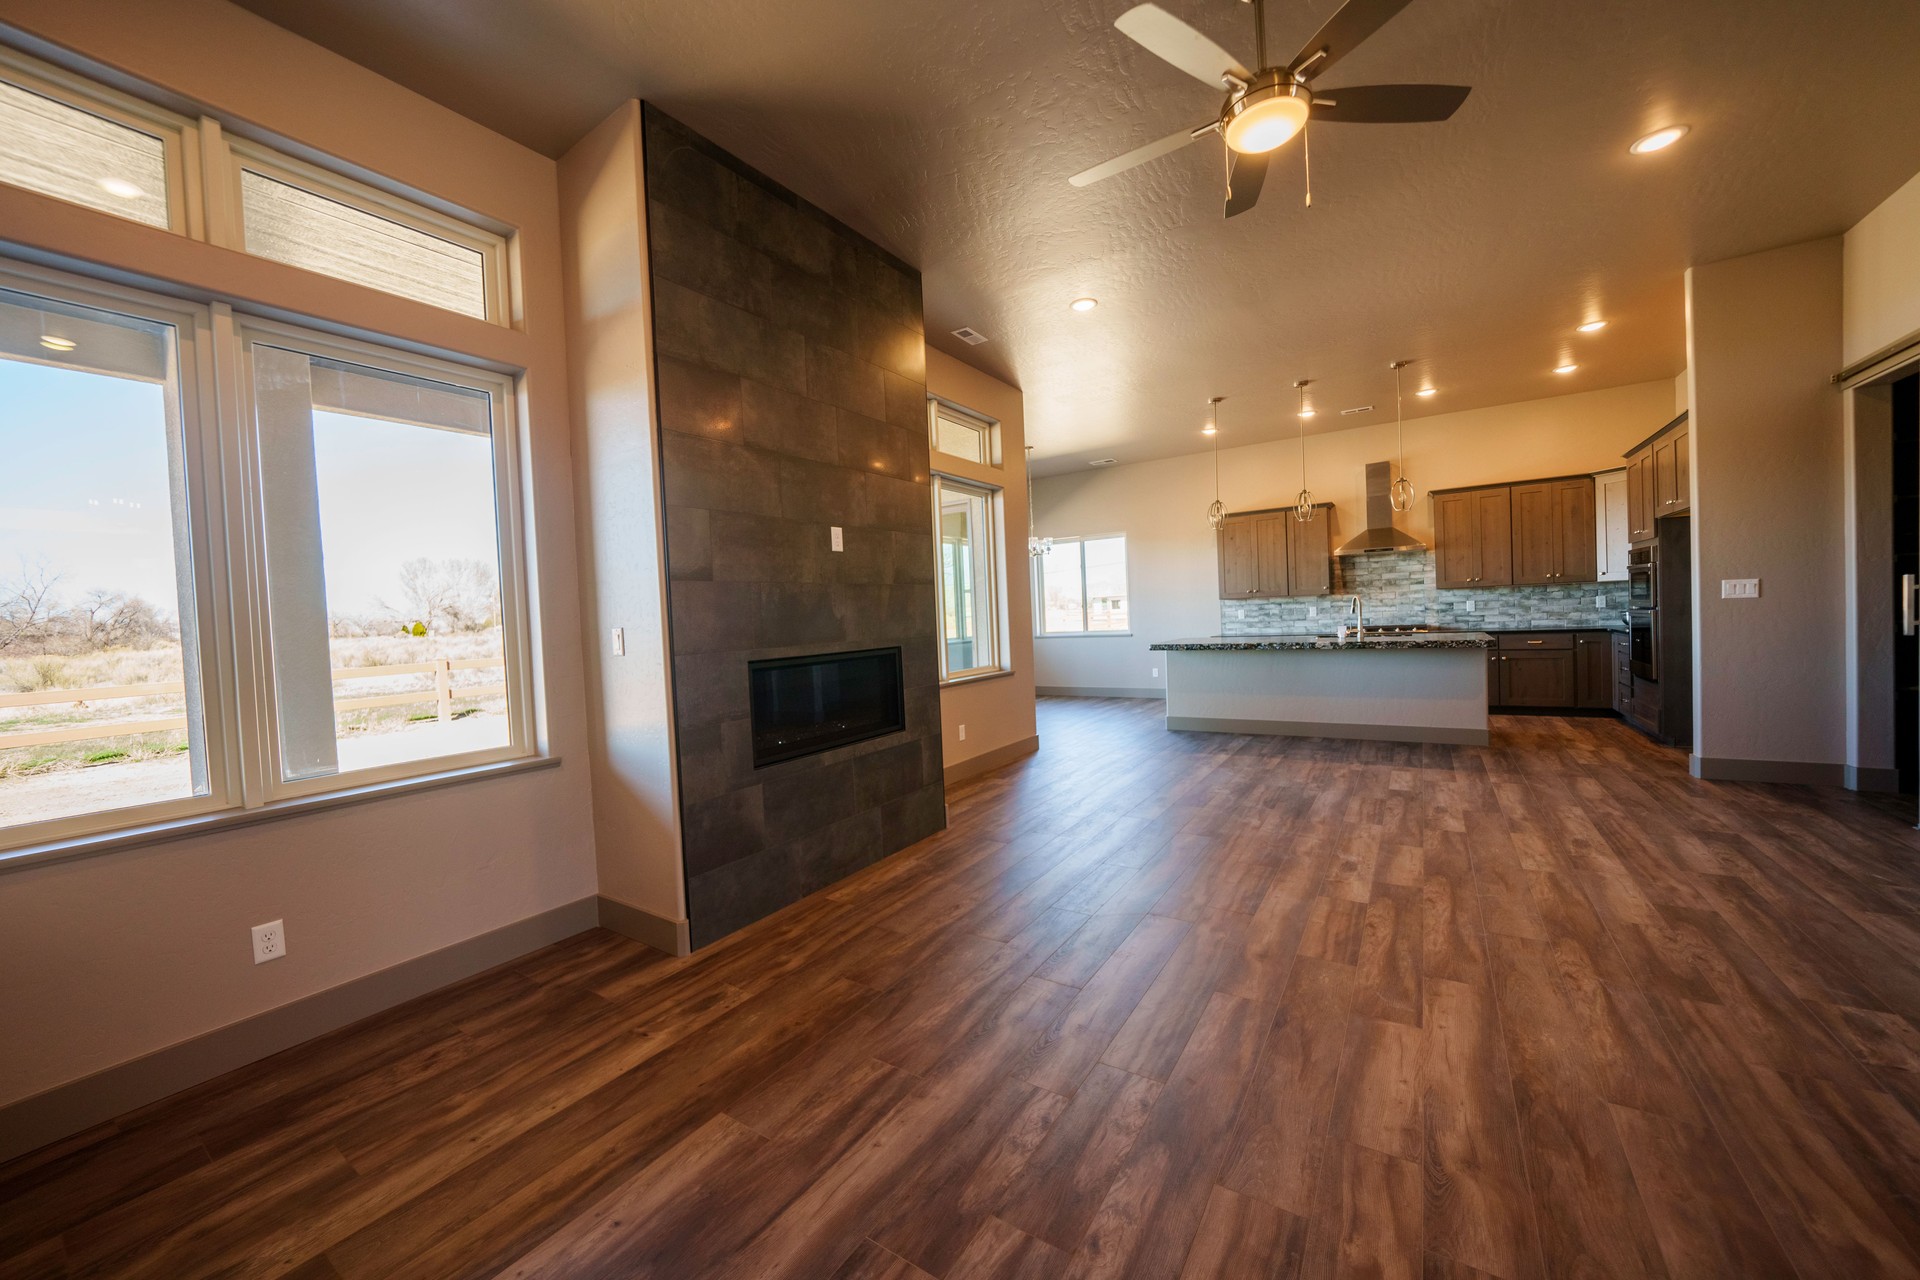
pixel 1264 109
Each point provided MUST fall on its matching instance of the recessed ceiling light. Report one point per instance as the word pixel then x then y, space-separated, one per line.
pixel 1084 304
pixel 52 343
pixel 1659 139
pixel 1593 326
pixel 122 188
pixel 1428 391
pixel 1566 368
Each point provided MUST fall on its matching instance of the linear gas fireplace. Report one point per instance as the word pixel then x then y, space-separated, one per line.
pixel 802 706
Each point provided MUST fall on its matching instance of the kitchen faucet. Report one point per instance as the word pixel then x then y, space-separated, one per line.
pixel 1359 622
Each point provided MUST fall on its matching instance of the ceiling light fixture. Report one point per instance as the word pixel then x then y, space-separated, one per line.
pixel 1084 304
pixel 1267 115
pixel 1428 391
pixel 52 343
pixel 1400 496
pixel 1359 408
pixel 122 188
pixel 1593 326
pixel 1036 547
pixel 1566 368
pixel 1217 512
pixel 1102 462
pixel 1659 139
pixel 1303 501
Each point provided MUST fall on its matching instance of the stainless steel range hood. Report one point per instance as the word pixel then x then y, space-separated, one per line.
pixel 1380 535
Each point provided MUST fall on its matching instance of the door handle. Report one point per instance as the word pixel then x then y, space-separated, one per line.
pixel 1906 604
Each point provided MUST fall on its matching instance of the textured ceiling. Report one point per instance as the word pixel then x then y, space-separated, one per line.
pixel 946 131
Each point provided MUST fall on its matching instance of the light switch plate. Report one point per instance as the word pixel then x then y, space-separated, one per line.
pixel 619 642
pixel 839 543
pixel 1313 611
pixel 1156 673
pixel 1599 602
pixel 1468 606
pixel 1739 588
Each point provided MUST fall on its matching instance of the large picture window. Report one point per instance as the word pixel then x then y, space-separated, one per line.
pixel 354 516
pixel 1082 585
pixel 969 578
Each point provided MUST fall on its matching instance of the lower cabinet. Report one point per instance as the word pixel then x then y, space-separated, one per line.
pixel 1551 669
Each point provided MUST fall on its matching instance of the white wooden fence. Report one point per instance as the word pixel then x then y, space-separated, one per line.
pixel 442 695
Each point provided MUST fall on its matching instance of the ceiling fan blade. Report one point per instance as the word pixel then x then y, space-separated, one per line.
pixel 1163 34
pixel 1390 103
pixel 1244 183
pixel 1341 34
pixel 1139 155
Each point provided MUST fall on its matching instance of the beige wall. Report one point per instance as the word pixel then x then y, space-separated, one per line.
pixel 113 955
pixel 998 712
pixel 1161 506
pixel 1763 339
pixel 1882 275
pixel 622 563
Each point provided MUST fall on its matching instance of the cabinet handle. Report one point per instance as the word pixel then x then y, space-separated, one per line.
pixel 1536 642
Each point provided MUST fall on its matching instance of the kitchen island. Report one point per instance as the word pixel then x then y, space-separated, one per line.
pixel 1430 687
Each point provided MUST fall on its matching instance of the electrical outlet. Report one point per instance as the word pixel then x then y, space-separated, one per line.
pixel 619 642
pixel 1599 602
pixel 1739 588
pixel 1468 606
pixel 963 733
pixel 1156 673
pixel 839 541
pixel 1313 611
pixel 269 941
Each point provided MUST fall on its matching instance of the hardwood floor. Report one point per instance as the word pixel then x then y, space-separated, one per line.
pixel 1155 1005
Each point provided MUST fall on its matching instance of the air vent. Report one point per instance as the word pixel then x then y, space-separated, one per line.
pixel 1103 462
pixel 972 337
pixel 1348 413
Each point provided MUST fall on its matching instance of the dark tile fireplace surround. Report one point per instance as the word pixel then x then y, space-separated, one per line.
pixel 791 371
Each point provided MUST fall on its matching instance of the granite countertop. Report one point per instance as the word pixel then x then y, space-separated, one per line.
pixel 1521 631
pixel 1270 644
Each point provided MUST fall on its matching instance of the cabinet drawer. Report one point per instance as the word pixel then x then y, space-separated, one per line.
pixel 1538 640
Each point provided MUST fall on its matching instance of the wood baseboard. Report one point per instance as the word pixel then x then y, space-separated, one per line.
pixel 988 761
pixel 658 932
pixel 80 1104
pixel 1790 772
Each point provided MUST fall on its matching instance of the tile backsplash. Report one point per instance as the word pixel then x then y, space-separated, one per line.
pixel 1398 588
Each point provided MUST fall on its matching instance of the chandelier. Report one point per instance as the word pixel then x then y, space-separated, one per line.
pixel 1217 513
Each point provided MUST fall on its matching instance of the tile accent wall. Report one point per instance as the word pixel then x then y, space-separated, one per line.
pixel 1398 587
pixel 791 369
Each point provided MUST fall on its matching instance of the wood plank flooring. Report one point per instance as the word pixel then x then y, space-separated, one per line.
pixel 1155 1005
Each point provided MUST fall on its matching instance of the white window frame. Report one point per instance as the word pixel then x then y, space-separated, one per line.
pixel 246 155
pixel 201 457
pixel 1040 590
pixel 989 429
pixel 178 135
pixel 250 549
pixel 992 627
pixel 226 543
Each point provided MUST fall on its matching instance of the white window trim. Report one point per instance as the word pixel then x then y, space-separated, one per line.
pixel 989 427
pixel 244 154
pixel 225 534
pixel 268 783
pixel 996 585
pixel 1039 577
pixel 178 135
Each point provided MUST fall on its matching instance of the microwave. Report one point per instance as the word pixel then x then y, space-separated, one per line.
pixel 1643 578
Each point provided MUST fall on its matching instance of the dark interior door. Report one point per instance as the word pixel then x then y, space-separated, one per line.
pixel 1906 559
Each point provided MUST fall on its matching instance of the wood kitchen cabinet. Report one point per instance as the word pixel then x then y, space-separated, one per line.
pixel 1659 481
pixel 1640 496
pixel 1473 537
pixel 1593 677
pixel 1538 670
pixel 1268 555
pixel 1553 532
pixel 1671 487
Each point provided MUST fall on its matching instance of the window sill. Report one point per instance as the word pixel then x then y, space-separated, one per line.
pixel 1083 635
pixel 231 819
pixel 975 677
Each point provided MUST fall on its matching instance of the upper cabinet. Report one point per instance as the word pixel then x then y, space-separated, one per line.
pixel 1658 479
pixel 1538 533
pixel 1267 555
pixel 1611 526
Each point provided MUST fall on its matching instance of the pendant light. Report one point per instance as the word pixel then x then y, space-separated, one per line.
pixel 1217 513
pixel 1303 503
pixel 1036 547
pixel 1401 495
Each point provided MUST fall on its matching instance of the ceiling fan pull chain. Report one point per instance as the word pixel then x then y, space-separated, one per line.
pixel 1306 152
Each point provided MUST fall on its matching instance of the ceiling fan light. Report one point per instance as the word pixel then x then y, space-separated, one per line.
pixel 1265 118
